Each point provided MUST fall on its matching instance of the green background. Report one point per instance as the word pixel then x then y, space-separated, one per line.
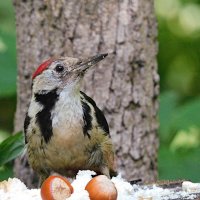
pixel 179 69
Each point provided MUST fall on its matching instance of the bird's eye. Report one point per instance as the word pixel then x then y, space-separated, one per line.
pixel 59 68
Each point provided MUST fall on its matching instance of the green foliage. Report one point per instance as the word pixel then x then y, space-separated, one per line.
pixel 6 171
pixel 179 165
pixel 175 116
pixel 186 140
pixel 7 16
pixel 7 50
pixel 180 138
pixel 179 68
pixel 168 104
pixel 11 147
pixel 8 64
pixel 187 115
pixel 3 135
pixel 179 38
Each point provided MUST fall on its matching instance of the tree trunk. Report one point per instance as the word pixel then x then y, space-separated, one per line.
pixel 124 85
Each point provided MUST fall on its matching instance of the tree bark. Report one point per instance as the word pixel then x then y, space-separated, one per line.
pixel 125 85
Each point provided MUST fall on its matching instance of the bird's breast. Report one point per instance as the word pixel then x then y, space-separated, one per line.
pixel 68 143
pixel 67 118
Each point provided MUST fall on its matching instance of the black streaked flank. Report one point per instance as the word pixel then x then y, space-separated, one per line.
pixel 101 120
pixel 26 124
pixel 90 100
pixel 43 117
pixel 87 118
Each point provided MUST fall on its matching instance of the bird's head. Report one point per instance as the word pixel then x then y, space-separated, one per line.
pixel 65 72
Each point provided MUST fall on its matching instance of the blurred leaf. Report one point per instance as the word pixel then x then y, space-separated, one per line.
pixel 181 73
pixel 189 19
pixel 187 115
pixel 6 171
pixel 7 49
pixel 168 103
pixel 163 7
pixel 186 139
pixel 8 64
pixel 179 165
pixel 3 135
pixel 12 147
pixel 179 69
pixel 7 16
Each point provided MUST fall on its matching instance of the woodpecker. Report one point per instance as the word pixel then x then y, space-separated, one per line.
pixel 64 129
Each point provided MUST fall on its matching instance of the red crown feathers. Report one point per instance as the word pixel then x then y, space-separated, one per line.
pixel 42 67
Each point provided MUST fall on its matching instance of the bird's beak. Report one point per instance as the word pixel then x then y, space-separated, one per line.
pixel 84 64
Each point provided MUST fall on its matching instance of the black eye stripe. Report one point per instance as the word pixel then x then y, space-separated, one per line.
pixel 59 68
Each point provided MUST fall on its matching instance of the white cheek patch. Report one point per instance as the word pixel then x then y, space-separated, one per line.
pixel 46 81
pixel 34 108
